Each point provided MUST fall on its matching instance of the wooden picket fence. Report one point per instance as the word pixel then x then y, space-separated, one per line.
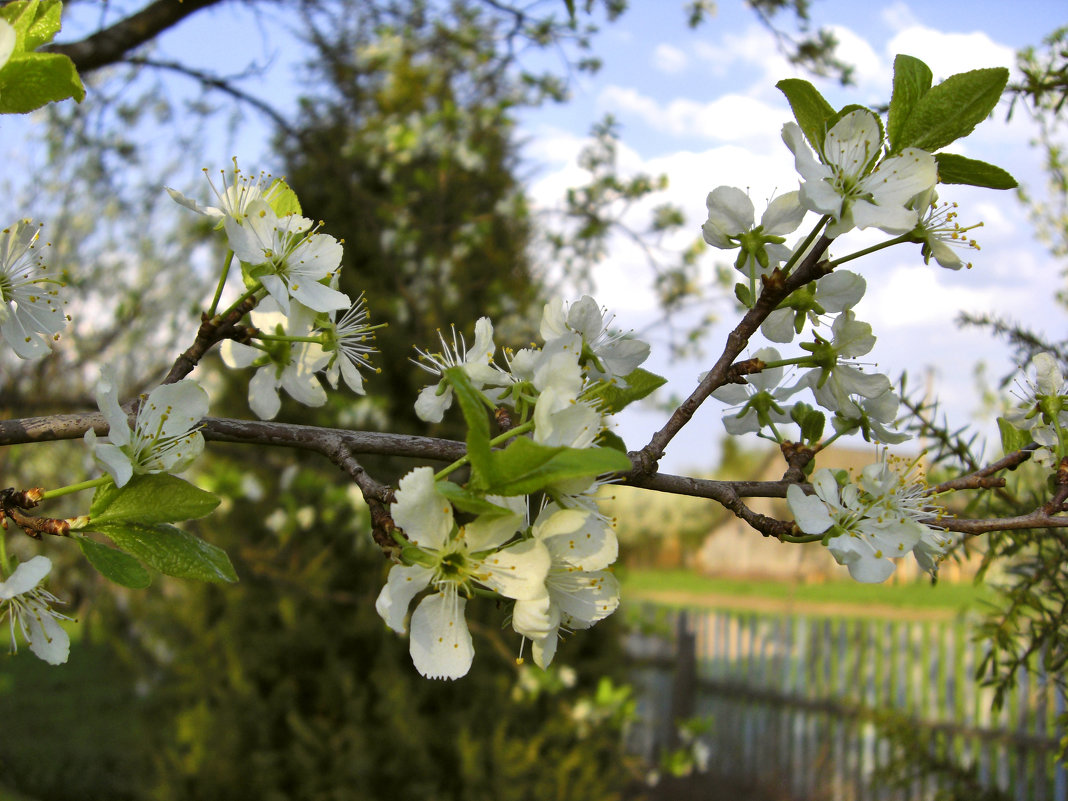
pixel 805 706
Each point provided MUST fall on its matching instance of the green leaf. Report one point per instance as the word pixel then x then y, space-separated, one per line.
pixel 1012 439
pixel 283 200
pixel 811 110
pixel 953 108
pixel 114 564
pixel 29 81
pixel 570 6
pixel 912 80
pixel 640 383
pixel 20 15
pixel 170 550
pixel 610 439
pixel 954 169
pixel 150 498
pixel 744 295
pixel 467 501
pixel 45 25
pixel 477 419
pixel 525 466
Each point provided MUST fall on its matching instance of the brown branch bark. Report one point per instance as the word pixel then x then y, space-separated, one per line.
pixel 110 45
pixel 776 288
pixel 340 446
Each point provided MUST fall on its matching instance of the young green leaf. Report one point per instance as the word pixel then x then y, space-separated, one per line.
pixel 30 81
pixel 466 501
pixel 811 110
pixel 169 550
pixel 477 419
pixel 114 564
pixel 45 21
pixel 525 466
pixel 151 498
pixel 610 439
pixel 1012 438
pixel 640 383
pixel 955 169
pixel 912 80
pixel 283 200
pixel 744 295
pixel 953 108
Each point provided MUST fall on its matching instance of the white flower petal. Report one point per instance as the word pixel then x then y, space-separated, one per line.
pixel 403 584
pixel 517 571
pixel 440 645
pixel 809 512
pixel 47 638
pixel 424 514
pixel 430 406
pixel 25 577
pixel 263 393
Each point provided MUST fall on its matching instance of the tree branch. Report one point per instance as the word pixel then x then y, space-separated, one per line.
pixel 110 45
pixel 776 288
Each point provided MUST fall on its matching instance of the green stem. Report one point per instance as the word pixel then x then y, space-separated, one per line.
pixel 798 252
pixel 830 439
pixel 278 338
pixel 888 243
pixel 258 286
pixel 805 360
pixel 3 558
pixel 222 282
pixel 497 440
pixel 84 485
pixel 802 538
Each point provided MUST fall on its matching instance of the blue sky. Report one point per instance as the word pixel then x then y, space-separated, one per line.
pixel 701 106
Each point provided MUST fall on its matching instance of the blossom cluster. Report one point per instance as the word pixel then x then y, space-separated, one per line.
pixel 866 524
pixel 1042 414
pixel 307 327
pixel 555 567
pixel 852 179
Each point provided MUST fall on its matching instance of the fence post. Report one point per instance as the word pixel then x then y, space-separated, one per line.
pixel 684 686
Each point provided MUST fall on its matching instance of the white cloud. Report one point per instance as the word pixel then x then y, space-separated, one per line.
pixel 869 68
pixel 728 118
pixel 949 53
pixel 898 16
pixel 753 47
pixel 668 58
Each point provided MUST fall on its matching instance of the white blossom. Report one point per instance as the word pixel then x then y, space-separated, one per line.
pixel 943 236
pixel 607 356
pixel 239 192
pixel 477 363
pixel 291 366
pixel 349 349
pixel 450 561
pixel 31 310
pixel 28 605
pixel 867 524
pixel 731 224
pixel 578 591
pixel 833 293
pixel 758 401
pixel 166 435
pixel 847 183
pixel 289 258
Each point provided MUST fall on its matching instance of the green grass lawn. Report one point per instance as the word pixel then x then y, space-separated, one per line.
pixel 912 595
